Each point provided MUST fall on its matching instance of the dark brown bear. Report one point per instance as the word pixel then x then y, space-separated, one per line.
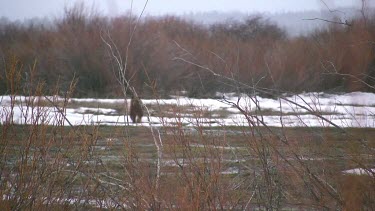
pixel 136 111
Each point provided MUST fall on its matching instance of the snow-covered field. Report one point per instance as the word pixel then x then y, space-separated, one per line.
pixel 355 109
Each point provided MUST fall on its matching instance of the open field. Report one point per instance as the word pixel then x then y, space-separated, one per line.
pixel 184 164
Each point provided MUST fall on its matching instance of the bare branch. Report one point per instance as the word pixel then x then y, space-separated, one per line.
pixel 126 85
pixel 346 23
pixel 329 9
pixel 335 72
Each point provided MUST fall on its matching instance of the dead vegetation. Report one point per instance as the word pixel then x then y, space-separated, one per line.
pixel 244 167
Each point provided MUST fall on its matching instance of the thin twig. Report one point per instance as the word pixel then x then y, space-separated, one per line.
pixel 346 23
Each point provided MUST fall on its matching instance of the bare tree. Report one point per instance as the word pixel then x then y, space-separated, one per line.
pixel 125 83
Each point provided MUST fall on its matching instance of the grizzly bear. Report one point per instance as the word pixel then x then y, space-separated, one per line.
pixel 136 111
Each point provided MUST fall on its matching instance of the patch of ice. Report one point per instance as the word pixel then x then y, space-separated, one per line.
pixel 231 170
pixel 93 100
pixel 95 110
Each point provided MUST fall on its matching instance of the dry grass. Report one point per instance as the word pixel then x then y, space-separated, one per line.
pixel 194 165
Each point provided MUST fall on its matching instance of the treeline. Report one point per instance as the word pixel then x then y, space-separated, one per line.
pixel 170 54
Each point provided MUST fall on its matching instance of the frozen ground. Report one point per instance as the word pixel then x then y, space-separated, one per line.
pixel 355 109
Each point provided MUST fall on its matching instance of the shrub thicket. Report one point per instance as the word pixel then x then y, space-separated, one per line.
pixel 169 52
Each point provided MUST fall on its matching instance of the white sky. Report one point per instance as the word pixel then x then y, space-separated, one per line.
pixel 24 9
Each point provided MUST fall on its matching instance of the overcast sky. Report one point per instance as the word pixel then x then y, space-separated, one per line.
pixel 25 9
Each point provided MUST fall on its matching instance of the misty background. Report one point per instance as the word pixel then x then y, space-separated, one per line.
pixel 290 15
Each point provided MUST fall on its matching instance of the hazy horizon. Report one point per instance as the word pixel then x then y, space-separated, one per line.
pixel 288 14
pixel 23 10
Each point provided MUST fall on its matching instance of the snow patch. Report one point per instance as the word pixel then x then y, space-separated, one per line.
pixel 355 109
pixel 360 171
